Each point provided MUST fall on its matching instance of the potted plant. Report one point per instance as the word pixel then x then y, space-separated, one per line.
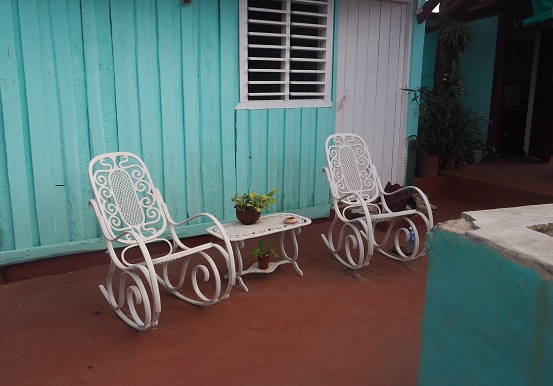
pixel 456 35
pixel 249 205
pixel 262 253
pixel 448 128
pixel 429 139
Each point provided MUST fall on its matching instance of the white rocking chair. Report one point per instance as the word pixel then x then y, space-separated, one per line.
pixel 132 212
pixel 355 186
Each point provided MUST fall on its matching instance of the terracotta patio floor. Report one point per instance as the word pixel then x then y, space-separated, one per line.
pixel 332 326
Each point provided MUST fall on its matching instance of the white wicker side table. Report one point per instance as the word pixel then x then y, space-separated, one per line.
pixel 267 224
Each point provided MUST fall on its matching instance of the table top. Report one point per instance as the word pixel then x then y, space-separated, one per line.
pixel 266 225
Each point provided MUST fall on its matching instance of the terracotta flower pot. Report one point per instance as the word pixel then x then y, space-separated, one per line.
pixel 263 262
pixel 427 166
pixel 247 217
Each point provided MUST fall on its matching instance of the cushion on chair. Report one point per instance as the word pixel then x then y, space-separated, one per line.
pixel 397 202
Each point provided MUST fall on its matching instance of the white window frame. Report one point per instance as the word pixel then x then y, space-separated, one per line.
pixel 325 101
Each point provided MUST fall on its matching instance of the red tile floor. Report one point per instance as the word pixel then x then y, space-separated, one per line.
pixel 332 326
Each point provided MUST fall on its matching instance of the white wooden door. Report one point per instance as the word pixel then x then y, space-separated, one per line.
pixel 373 67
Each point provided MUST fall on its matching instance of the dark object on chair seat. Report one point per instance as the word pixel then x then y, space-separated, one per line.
pixel 399 201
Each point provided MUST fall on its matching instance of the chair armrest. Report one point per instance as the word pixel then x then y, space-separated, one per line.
pixel 224 236
pixel 421 193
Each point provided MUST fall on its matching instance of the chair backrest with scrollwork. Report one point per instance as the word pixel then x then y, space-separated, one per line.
pixel 350 167
pixel 125 197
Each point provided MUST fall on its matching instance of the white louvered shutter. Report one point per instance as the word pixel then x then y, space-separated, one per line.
pixel 286 53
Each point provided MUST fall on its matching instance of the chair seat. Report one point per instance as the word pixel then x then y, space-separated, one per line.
pixel 376 217
pixel 392 215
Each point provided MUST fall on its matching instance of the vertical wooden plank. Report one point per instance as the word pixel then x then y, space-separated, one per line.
pixel 275 155
pixel 341 64
pixel 292 138
pixel 6 235
pixel 210 109
pixel 307 161
pixel 92 63
pixel 258 146
pixel 148 90
pixel 51 128
pixel 13 133
pixel 400 157
pixel 370 131
pixel 75 30
pixel 381 89
pixel 190 68
pixel 396 69
pixel 242 151
pixel 180 170
pixel 170 81
pixel 39 98
pixel 360 91
pixel 7 241
pixel 74 165
pixel 105 71
pixel 125 77
pixel 230 85
pixel 325 124
pixel 392 69
pixel 346 105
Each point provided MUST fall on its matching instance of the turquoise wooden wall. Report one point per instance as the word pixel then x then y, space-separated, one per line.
pixel 154 77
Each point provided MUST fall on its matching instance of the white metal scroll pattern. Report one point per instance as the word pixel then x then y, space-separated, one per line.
pixel 351 168
pixel 125 196
pixel 360 203
pixel 131 211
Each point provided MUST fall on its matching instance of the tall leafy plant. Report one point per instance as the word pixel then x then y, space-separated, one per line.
pixel 447 126
pixel 456 35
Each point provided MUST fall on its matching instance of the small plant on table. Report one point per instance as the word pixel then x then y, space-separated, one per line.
pixel 249 205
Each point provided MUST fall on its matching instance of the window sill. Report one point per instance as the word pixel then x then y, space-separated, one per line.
pixel 297 104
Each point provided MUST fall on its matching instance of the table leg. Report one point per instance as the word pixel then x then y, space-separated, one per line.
pixel 291 260
pixel 237 246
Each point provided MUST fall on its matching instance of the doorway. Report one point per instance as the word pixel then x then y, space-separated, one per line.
pixel 527 99
pixel 516 91
pixel 541 136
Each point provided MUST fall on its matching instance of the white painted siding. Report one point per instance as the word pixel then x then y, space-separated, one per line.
pixel 373 67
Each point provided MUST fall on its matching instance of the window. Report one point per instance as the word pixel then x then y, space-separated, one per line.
pixel 285 53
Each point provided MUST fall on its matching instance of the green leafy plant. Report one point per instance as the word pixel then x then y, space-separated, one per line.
pixel 253 201
pixel 447 126
pixel 456 35
pixel 261 251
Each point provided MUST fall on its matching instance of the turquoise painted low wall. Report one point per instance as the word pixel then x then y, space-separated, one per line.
pixel 487 320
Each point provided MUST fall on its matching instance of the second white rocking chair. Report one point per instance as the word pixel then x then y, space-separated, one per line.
pixel 355 185
pixel 131 212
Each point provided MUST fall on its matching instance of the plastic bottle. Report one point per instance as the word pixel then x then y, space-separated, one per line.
pixel 411 242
